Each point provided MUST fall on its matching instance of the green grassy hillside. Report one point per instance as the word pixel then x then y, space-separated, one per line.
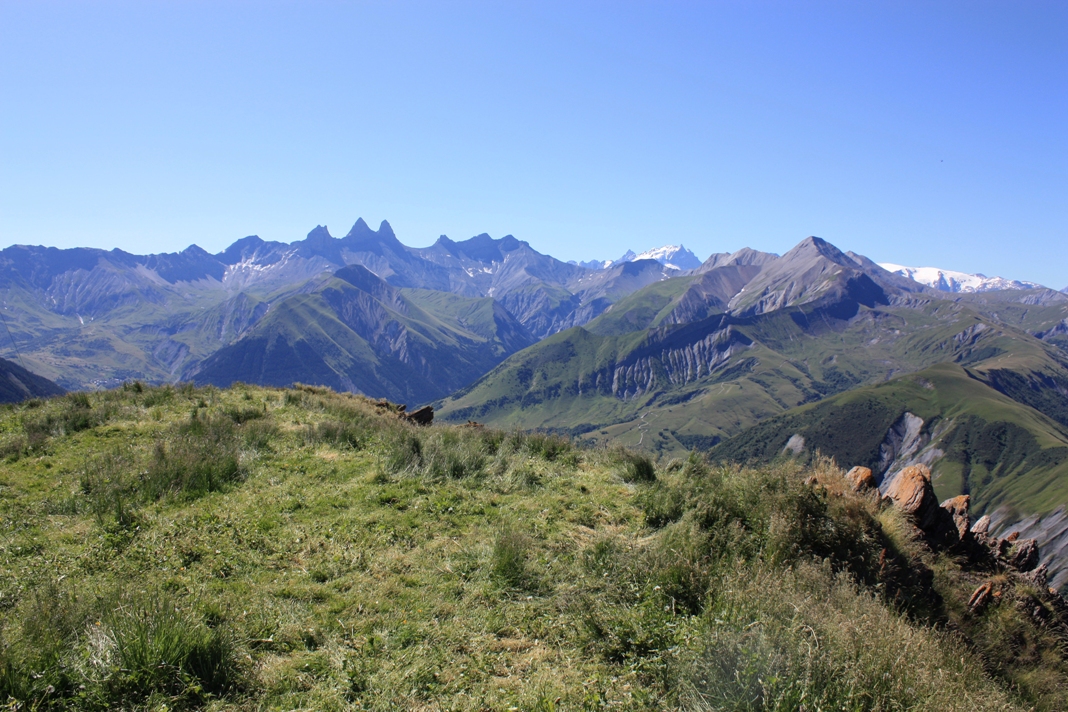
pixel 356 333
pixel 175 548
pixel 673 387
pixel 1000 451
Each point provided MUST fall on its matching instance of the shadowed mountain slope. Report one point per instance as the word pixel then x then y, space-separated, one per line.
pixel 89 318
pixel 17 384
pixel 355 332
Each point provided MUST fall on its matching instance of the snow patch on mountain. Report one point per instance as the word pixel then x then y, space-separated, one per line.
pixel 945 280
pixel 676 256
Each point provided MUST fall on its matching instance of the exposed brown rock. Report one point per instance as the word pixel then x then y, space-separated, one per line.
pixel 909 488
pixel 982 526
pixel 1023 556
pixel 958 509
pixel 1038 577
pixel 912 492
pixel 423 416
pixel 861 479
pixel 980 597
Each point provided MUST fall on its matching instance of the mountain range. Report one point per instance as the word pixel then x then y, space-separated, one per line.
pixel 755 356
pixel 749 355
pixel 674 256
pixel 950 281
pixel 91 318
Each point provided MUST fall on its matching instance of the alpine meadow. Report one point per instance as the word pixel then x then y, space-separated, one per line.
pixel 713 356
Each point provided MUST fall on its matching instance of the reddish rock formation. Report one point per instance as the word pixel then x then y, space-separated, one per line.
pixel 861 479
pixel 1023 556
pixel 980 597
pixel 912 492
pixel 958 509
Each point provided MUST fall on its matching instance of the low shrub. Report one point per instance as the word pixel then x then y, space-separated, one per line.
pixel 806 638
pixel 337 433
pixel 509 565
pixel 400 450
pixel 109 487
pixel 259 434
pixel 69 414
pixel 200 456
pixel 157 395
pixel 449 455
pixel 636 467
pixel 244 414
pixel 146 646
pixel 36 667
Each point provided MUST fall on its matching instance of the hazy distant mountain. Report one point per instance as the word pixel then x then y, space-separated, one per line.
pixel 90 318
pixel 749 335
pixel 356 332
pixel 744 256
pixel 949 281
pixel 18 384
pixel 674 256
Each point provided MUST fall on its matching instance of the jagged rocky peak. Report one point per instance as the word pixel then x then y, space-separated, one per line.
pixel 744 256
pixel 480 248
pixel 362 231
pixel 241 249
pixel 195 250
pixel 812 245
pixel 320 232
pixel 360 227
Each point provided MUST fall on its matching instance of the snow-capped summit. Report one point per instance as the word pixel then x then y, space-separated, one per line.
pixel 676 256
pixel 945 280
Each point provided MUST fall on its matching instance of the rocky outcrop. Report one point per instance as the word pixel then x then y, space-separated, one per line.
pixel 861 479
pixel 911 491
pixel 1051 532
pixel 958 509
pixel 948 526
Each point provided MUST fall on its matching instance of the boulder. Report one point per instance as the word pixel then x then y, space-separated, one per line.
pixel 982 526
pixel 861 479
pixel 911 491
pixel 423 416
pixel 957 507
pixel 1023 556
pixel 980 597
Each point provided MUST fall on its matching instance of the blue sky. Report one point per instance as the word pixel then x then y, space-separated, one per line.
pixel 925 133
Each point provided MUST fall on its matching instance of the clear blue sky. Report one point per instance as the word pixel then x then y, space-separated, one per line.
pixel 925 133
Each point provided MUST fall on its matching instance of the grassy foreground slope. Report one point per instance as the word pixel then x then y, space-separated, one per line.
pixel 252 548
